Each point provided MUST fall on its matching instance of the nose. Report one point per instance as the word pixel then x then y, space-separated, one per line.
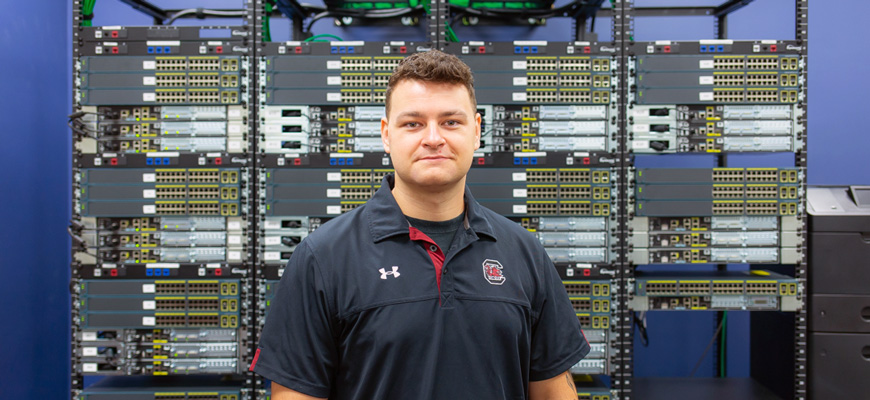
pixel 433 137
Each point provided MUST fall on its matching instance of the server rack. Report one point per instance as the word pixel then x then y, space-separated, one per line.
pixel 648 133
pixel 263 153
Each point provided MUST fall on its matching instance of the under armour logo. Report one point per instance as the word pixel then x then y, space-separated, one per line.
pixel 395 272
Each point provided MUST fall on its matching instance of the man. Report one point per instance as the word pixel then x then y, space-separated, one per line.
pixel 422 293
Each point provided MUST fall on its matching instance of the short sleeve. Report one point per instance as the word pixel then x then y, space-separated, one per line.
pixel 296 347
pixel 557 339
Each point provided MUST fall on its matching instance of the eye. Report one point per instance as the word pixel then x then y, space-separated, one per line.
pixel 452 122
pixel 411 125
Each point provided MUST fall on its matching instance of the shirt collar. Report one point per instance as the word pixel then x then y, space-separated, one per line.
pixel 386 218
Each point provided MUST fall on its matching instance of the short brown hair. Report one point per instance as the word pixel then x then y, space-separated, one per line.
pixel 432 66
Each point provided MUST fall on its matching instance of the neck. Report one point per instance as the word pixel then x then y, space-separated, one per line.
pixel 430 204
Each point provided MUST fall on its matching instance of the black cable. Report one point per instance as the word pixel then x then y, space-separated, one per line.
pixel 640 323
pixel 81 132
pixel 363 14
pixel 79 127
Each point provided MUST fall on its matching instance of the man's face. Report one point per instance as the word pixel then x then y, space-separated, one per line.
pixel 431 133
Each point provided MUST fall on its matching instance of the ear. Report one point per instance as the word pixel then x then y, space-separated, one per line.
pixel 385 134
pixel 477 120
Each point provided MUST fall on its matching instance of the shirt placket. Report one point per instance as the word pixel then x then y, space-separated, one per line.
pixel 435 253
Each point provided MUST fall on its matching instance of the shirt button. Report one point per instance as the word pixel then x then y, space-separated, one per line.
pixel 433 248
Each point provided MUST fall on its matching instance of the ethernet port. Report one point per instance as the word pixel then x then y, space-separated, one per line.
pixel 581 304
pixel 577 289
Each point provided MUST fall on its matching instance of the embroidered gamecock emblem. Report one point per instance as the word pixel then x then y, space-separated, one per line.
pixel 492 271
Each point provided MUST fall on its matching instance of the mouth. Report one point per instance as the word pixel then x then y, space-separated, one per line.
pixel 433 158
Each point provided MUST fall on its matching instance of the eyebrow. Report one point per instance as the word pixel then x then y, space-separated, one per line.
pixel 417 114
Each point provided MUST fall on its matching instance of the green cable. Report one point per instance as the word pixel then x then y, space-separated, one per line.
pixel 451 36
pixel 722 340
pixel 324 35
pixel 267 28
pixel 87 9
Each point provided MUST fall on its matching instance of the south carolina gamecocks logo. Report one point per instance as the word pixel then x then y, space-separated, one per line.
pixel 492 271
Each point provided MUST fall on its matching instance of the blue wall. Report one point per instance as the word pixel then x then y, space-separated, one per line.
pixel 35 201
pixel 35 163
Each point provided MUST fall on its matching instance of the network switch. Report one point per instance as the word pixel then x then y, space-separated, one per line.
pixel 329 73
pixel 741 290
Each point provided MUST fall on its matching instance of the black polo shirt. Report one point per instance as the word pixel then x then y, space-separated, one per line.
pixel 370 308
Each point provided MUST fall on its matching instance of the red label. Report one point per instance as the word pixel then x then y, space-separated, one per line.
pixel 254 363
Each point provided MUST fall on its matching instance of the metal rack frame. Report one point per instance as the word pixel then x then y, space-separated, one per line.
pixel 623 14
